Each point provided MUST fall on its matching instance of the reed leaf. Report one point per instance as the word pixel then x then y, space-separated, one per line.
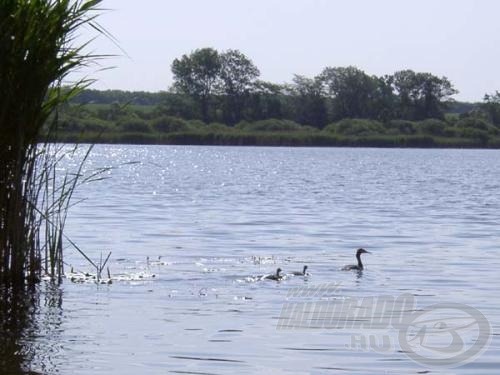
pixel 38 51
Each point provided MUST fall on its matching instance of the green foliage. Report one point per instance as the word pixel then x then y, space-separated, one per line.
pixel 166 124
pixel 456 107
pixel 237 76
pixel 206 73
pixel 139 98
pixel 350 90
pixel 84 121
pixel 431 126
pixel 196 124
pixel 96 125
pixel 494 143
pixel 401 127
pixel 478 134
pixel 218 127
pixel 37 52
pixel 134 125
pixel 69 124
pixel 271 125
pixel 309 101
pixel 358 127
pixel 473 123
pixel 491 106
pixel 223 87
pixel 421 95
pixel 450 132
pixel 266 101
pixel 479 124
pixel 178 105
pixel 196 75
pixel 114 112
pixel 451 118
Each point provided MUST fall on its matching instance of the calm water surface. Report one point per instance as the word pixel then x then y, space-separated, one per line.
pixel 220 216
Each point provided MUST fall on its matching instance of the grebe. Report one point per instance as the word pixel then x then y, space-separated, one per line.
pixel 158 262
pixel 359 266
pixel 274 276
pixel 303 273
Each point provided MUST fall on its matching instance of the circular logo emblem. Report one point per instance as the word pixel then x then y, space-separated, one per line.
pixel 445 335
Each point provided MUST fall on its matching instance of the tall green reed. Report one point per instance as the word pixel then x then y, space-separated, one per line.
pixel 38 50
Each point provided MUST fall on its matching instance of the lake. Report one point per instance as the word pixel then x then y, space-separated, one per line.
pixel 213 220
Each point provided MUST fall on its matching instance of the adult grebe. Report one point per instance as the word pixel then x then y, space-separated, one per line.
pixel 359 266
pixel 303 273
pixel 274 276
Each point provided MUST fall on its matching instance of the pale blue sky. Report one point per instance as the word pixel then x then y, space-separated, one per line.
pixel 455 38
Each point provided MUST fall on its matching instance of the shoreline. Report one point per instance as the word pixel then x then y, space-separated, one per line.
pixel 275 139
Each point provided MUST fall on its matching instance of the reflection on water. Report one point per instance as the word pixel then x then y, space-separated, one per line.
pixel 30 320
pixel 192 231
pixel 15 306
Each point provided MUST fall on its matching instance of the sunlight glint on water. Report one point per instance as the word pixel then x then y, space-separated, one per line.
pixel 219 216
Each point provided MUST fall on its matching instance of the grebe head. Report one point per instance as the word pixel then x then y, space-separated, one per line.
pixel 362 251
pixel 305 269
pixel 278 271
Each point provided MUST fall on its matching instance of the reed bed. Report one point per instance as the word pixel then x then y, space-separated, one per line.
pixel 38 49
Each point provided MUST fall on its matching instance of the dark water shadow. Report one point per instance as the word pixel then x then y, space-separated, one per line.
pixel 30 320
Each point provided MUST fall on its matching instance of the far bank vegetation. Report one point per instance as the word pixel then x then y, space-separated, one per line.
pixel 217 98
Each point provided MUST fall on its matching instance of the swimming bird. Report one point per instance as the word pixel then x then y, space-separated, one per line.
pixel 158 262
pixel 274 276
pixel 359 266
pixel 303 273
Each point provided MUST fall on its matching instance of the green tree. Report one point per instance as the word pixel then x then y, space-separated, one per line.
pixel 265 101
pixel 237 76
pixel 196 75
pixel 422 95
pixel 179 105
pixel 309 101
pixel 351 91
pixel 491 107
pixel 384 100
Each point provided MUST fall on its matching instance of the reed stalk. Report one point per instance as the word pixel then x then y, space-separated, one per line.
pixel 38 49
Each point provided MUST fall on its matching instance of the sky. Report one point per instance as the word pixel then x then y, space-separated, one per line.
pixel 458 39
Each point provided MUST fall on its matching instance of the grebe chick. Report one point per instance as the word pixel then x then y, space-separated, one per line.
pixel 359 266
pixel 303 273
pixel 158 262
pixel 274 276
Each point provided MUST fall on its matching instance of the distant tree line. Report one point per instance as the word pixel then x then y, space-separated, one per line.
pixel 217 97
pixel 224 86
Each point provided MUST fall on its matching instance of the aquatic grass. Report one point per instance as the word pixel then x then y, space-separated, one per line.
pixel 37 52
pixel 56 198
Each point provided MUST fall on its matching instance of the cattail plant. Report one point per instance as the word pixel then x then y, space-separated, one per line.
pixel 38 49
